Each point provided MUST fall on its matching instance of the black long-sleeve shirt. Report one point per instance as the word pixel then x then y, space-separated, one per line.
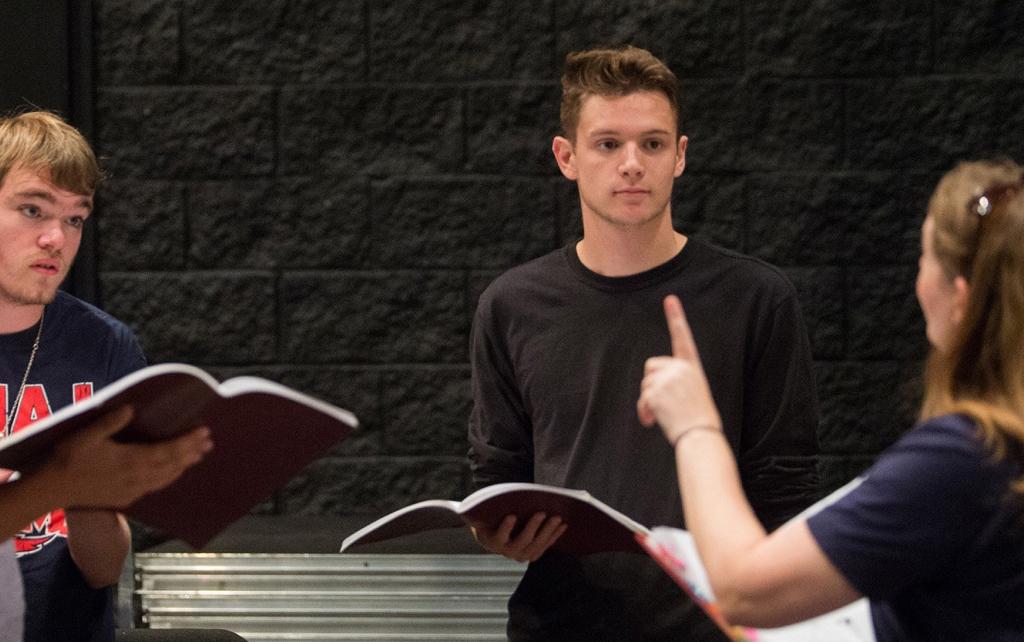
pixel 558 354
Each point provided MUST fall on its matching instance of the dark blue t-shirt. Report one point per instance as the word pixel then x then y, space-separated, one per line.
pixel 933 538
pixel 81 350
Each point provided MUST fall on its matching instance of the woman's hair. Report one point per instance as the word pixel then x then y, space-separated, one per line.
pixel 40 141
pixel 977 213
pixel 612 72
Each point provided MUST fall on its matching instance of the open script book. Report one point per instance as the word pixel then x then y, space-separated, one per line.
pixel 263 434
pixel 593 526
pixel 596 527
pixel 675 551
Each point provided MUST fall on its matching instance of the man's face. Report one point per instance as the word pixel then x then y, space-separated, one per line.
pixel 40 230
pixel 625 158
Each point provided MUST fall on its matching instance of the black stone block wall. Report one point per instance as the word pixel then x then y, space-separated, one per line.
pixel 317 191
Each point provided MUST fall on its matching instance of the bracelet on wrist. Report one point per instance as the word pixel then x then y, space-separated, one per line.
pixel 695 428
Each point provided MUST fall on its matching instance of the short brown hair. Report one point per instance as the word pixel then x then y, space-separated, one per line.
pixel 612 72
pixel 41 141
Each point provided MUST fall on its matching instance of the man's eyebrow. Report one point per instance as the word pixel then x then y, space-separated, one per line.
pixel 616 132
pixel 40 194
pixel 86 201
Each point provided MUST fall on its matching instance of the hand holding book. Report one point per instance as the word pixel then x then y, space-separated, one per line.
pixel 587 525
pixel 265 433
pixel 91 469
pixel 525 544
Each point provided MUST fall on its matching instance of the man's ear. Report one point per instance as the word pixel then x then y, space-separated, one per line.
pixel 961 293
pixel 565 156
pixel 681 156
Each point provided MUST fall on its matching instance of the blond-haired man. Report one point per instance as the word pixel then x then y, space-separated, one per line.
pixel 57 350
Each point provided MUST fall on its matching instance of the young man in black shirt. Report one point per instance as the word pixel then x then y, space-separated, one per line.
pixel 558 349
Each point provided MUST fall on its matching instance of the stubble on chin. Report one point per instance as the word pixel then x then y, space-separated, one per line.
pixel 28 296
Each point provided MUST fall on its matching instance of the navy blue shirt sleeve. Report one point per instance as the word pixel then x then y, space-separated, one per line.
pixel 126 356
pixel 913 514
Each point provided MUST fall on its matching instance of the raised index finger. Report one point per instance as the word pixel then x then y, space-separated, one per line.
pixel 683 345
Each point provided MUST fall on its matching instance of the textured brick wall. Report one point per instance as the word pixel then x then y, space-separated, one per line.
pixel 317 191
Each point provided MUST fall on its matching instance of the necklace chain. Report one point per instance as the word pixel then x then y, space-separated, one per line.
pixel 9 426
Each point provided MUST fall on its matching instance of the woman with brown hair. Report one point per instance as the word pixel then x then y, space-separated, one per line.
pixel 934 536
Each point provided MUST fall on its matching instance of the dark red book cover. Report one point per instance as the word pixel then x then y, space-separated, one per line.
pixel 593 526
pixel 263 434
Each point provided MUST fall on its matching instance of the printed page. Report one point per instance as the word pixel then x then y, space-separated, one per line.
pixel 675 550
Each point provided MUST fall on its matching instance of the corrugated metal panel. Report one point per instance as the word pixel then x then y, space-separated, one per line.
pixel 290 598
